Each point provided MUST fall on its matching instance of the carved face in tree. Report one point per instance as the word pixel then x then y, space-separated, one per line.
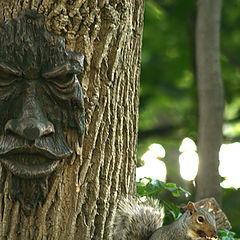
pixel 40 97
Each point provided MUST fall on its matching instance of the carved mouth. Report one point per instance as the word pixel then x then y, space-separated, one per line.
pixel 29 165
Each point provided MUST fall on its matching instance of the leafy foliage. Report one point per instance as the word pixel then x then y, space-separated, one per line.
pixel 224 234
pixel 153 189
pixel 168 82
pixel 167 78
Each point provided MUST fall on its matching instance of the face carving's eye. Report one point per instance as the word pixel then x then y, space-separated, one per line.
pixel 4 75
pixel 63 81
pixel 200 219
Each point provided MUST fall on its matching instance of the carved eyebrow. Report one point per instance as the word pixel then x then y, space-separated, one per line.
pixel 74 65
pixel 56 72
pixel 8 68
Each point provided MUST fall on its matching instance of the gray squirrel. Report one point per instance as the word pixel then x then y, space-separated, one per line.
pixel 134 221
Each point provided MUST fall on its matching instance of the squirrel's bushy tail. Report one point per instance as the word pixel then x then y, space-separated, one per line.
pixel 134 221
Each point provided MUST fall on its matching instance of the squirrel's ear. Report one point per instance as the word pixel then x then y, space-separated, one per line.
pixel 191 208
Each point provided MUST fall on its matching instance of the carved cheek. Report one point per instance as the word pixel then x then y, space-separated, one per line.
pixel 69 103
pixel 7 99
pixel 50 106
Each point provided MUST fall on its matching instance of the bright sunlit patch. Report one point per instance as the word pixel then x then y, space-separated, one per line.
pixel 153 167
pixel 155 151
pixel 188 145
pixel 229 157
pixel 233 182
pixel 188 159
pixel 188 165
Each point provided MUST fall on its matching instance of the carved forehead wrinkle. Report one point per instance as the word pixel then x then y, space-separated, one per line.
pixel 27 45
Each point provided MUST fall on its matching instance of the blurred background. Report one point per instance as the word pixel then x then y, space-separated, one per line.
pixel 168 123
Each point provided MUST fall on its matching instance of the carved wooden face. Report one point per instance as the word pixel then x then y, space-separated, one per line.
pixel 40 97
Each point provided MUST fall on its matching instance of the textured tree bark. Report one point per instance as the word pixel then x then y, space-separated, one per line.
pixel 83 197
pixel 211 97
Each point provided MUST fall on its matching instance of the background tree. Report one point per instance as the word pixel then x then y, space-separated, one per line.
pixel 210 97
pixel 83 197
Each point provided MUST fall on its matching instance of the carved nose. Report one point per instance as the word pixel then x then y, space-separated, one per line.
pixel 29 128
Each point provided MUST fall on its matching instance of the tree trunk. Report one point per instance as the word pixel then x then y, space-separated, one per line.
pixel 84 193
pixel 211 97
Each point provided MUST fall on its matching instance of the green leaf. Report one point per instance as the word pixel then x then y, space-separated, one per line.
pixel 225 234
pixel 173 209
pixel 154 188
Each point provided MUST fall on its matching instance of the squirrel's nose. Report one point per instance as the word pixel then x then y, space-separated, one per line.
pixel 29 128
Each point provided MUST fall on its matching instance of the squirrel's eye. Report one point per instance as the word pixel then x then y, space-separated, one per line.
pixel 200 219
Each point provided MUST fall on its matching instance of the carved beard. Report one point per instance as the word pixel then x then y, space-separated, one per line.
pixel 29 192
pixel 30 166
